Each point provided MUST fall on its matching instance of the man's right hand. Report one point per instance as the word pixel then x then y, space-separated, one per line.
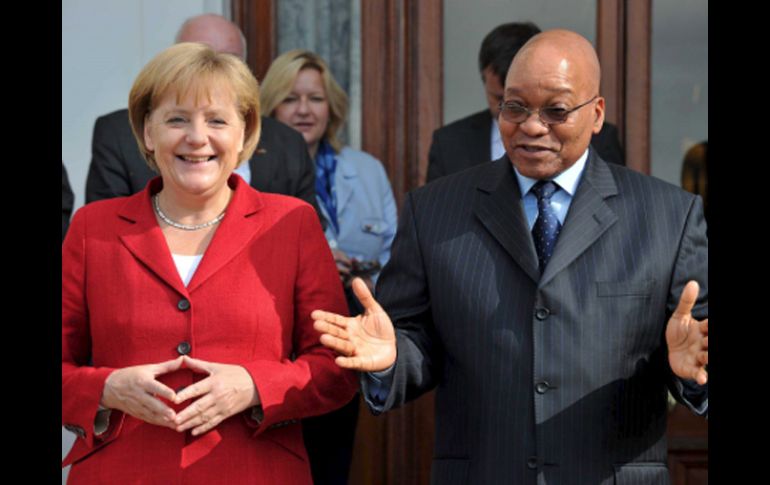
pixel 366 342
pixel 135 391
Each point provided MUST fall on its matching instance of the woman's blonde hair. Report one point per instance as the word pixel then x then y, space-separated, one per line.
pixel 193 68
pixel 279 81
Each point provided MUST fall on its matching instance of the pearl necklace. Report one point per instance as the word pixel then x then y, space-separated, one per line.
pixel 185 227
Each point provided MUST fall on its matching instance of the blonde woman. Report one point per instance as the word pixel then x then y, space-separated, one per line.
pixel 188 353
pixel 352 188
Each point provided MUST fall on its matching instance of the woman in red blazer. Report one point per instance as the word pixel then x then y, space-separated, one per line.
pixel 188 353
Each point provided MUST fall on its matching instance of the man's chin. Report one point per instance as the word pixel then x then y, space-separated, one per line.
pixel 538 169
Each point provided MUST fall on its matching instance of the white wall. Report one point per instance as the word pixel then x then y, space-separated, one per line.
pixel 104 45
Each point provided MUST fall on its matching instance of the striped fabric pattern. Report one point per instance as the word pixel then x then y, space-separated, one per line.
pixel 558 379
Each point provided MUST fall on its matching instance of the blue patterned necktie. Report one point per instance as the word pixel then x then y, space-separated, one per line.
pixel 547 226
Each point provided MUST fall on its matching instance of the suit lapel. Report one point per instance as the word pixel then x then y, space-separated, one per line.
pixel 261 168
pixel 500 210
pixel 233 234
pixel 588 218
pixel 144 238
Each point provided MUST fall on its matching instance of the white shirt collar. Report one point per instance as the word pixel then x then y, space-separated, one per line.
pixel 568 180
pixel 495 131
pixel 496 147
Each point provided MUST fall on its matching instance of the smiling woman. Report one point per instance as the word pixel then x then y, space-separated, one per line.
pixel 196 147
pixel 194 125
pixel 211 360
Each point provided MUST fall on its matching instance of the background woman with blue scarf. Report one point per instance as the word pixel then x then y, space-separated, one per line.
pixel 352 188
pixel 355 198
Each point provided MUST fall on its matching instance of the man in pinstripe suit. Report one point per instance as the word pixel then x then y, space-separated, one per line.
pixel 547 370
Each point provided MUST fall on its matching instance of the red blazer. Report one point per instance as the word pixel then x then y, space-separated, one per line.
pixel 249 302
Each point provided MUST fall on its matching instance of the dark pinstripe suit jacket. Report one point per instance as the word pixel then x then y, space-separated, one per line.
pixel 560 379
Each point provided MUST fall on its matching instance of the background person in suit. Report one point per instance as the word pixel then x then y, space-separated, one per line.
pixel 551 350
pixel 201 374
pixel 356 200
pixel 476 138
pixel 67 202
pixel 280 163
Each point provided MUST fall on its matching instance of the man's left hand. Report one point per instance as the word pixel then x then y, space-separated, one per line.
pixel 688 338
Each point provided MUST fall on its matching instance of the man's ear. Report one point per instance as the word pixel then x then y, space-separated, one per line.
pixel 599 115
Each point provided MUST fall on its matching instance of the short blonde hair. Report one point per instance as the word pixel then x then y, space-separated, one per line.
pixel 279 81
pixel 190 67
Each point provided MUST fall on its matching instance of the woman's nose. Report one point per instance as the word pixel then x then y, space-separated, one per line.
pixel 196 133
pixel 303 107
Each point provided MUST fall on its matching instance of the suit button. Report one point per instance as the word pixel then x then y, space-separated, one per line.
pixel 183 348
pixel 542 313
pixel 532 462
pixel 183 304
pixel 542 387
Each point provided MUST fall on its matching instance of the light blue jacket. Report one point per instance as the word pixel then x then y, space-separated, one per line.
pixel 366 209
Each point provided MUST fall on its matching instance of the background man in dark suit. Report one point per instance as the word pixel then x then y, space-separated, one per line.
pixel 281 163
pixel 476 138
pixel 551 351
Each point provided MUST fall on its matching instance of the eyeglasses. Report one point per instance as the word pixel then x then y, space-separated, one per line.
pixel 514 112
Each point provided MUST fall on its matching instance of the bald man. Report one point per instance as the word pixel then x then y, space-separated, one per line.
pixel 281 163
pixel 216 31
pixel 476 138
pixel 549 297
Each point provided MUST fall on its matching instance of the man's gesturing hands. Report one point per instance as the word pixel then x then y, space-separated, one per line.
pixel 366 342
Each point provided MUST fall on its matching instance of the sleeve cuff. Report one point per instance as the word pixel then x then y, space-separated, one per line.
pixel 695 396
pixel 377 388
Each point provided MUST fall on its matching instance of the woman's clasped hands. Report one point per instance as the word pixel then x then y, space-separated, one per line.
pixel 227 390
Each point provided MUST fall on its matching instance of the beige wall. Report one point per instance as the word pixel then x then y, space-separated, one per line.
pixel 104 45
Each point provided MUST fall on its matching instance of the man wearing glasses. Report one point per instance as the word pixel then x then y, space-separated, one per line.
pixel 549 297
pixel 476 138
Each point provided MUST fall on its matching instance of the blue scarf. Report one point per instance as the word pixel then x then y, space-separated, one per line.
pixel 325 166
